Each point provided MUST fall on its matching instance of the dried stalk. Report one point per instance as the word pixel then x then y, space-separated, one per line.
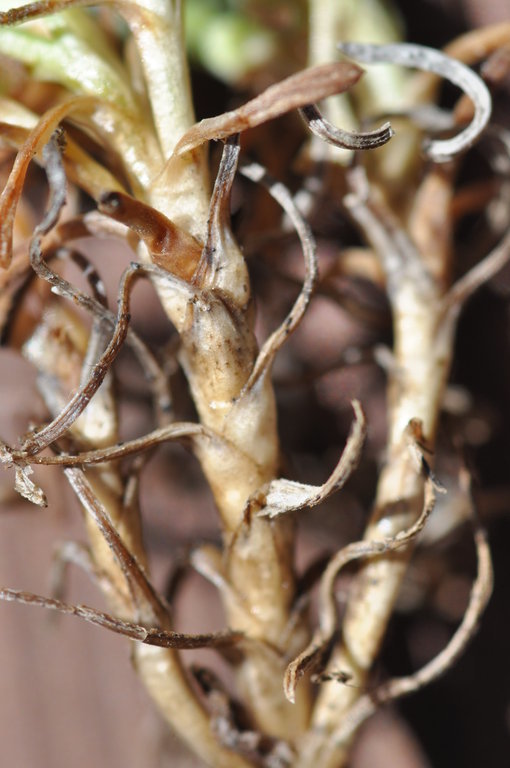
pixel 422 354
pixel 417 274
pixel 207 297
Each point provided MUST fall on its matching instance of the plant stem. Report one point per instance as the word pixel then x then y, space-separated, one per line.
pixel 423 348
pixel 218 353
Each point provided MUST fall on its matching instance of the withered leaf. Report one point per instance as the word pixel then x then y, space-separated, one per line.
pixel 296 91
pixel 288 496
pixel 430 60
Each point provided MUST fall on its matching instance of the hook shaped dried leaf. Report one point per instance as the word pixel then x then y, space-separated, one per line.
pixel 281 194
pixel 296 91
pixel 61 423
pixel 94 224
pixel 310 658
pixel 288 496
pixel 339 137
pixel 403 686
pixel 57 183
pixel 430 60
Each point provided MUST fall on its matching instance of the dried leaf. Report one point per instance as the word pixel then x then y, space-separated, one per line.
pixel 94 224
pixel 296 91
pixel 430 60
pixel 282 195
pixel 56 179
pixel 27 488
pixel 307 661
pixel 36 140
pixel 403 686
pixel 222 267
pixel 148 635
pixel 288 496
pixel 22 484
pixel 170 247
pixel 310 657
pixel 339 137
pixel 185 431
pixel 149 607
pixel 359 549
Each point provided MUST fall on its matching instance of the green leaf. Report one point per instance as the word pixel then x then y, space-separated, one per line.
pixel 69 48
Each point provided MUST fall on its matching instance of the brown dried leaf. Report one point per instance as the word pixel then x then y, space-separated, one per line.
pixel 306 662
pixel 339 137
pixel 184 431
pixel 296 91
pixel 37 139
pixel 57 182
pixel 148 635
pixel 171 248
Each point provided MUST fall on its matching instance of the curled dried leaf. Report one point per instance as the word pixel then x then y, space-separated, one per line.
pixel 282 195
pixel 38 138
pixel 361 549
pixel 296 91
pixel 403 686
pixel 430 60
pixel 93 224
pixel 288 496
pixel 76 405
pixel 310 658
pixel 339 137
pixel 27 488
pixel 57 182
